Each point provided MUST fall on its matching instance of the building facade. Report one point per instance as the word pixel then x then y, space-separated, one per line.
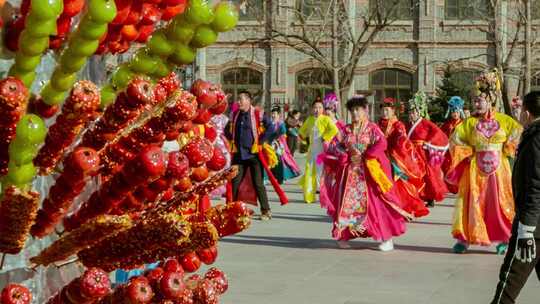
pixel 409 55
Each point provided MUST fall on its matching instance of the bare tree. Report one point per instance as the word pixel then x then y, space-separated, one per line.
pixel 505 23
pixel 328 31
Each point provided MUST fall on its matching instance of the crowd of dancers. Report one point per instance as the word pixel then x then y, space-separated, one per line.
pixel 375 177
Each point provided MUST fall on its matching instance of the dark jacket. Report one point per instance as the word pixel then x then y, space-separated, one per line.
pixel 244 134
pixel 526 178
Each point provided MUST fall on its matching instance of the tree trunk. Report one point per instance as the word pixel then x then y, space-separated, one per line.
pixel 527 78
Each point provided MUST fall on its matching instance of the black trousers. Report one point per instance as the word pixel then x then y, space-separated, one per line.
pixel 253 164
pixel 514 274
pixel 292 143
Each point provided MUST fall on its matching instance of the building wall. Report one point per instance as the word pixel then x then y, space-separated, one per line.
pixel 421 47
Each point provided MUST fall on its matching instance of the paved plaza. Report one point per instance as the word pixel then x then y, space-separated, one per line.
pixel 293 259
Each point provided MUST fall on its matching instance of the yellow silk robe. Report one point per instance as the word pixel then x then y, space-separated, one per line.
pixel 480 150
pixel 325 129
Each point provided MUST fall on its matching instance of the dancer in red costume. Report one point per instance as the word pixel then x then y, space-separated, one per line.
pixel 455 111
pixel 248 130
pixel 407 166
pixel 431 144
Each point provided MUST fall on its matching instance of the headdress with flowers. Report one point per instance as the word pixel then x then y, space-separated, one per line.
pixel 419 103
pixel 489 83
pixel 331 101
pixel 455 104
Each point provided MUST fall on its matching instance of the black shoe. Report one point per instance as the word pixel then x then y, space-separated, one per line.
pixel 266 215
pixel 430 204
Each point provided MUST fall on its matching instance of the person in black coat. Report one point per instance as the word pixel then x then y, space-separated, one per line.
pixel 522 257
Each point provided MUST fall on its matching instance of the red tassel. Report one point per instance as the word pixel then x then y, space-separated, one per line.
pixel 282 197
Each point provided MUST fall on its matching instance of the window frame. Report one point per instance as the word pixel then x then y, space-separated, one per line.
pixel 401 7
pixel 397 87
pixel 535 13
pixel 235 87
pixel 324 87
pixel 299 4
pixel 242 19
pixel 461 6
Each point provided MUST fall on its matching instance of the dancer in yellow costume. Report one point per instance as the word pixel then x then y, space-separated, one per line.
pixel 320 130
pixel 480 148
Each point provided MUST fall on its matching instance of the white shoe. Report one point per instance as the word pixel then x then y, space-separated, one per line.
pixel 386 246
pixel 343 245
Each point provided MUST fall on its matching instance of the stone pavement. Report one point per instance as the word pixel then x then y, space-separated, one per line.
pixel 293 259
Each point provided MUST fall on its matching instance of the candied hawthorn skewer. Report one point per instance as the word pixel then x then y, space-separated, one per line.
pixel 93 285
pixel 13 96
pixel 86 236
pixel 154 131
pixel 80 108
pixel 202 235
pixel 165 231
pixel 127 107
pixel 146 195
pixel 15 294
pixel 18 211
pixel 80 164
pixel 137 290
pixel 146 167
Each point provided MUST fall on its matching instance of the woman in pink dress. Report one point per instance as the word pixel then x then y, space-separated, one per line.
pixel 368 205
pixel 329 195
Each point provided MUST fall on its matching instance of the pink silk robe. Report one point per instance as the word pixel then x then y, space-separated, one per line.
pixel 368 206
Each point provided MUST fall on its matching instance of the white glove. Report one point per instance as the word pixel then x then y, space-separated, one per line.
pixel 526 245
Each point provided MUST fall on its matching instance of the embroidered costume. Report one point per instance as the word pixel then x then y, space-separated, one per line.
pixel 286 167
pixel 480 149
pixel 369 205
pixel 330 192
pixel 407 166
pixel 431 144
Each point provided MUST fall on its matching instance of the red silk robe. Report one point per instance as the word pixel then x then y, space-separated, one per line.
pixel 448 128
pixel 408 167
pixel 431 144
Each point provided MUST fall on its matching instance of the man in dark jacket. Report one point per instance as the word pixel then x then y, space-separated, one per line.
pixel 522 257
pixel 248 129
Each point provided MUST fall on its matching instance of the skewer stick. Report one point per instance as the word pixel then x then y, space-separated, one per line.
pixel 68 262
pixel 2 261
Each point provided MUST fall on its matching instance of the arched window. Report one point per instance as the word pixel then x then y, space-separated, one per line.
pixel 390 83
pixel 250 10
pixel 237 80
pixel 310 84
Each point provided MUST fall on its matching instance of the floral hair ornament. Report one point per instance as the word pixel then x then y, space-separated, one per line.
pixel 455 104
pixel 489 83
pixel 331 101
pixel 419 103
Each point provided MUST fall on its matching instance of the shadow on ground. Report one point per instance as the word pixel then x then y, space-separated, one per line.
pixel 313 243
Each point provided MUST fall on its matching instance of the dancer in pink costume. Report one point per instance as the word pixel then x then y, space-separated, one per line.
pixel 329 195
pixel 368 206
